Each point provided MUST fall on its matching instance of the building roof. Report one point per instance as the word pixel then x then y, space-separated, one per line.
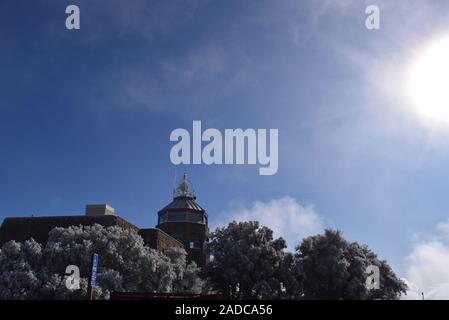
pixel 24 228
pixel 182 203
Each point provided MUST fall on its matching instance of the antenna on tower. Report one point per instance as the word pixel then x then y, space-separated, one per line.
pixel 184 188
pixel 174 182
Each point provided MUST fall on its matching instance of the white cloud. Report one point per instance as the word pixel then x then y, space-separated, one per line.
pixel 443 229
pixel 428 266
pixel 285 216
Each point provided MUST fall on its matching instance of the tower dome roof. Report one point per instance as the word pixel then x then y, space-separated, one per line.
pixel 183 203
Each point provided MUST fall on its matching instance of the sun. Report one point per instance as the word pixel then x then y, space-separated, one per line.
pixel 428 84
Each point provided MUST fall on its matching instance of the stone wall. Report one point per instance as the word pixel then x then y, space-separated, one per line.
pixel 158 239
pixel 186 232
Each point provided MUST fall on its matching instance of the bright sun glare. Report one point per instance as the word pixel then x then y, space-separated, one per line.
pixel 429 83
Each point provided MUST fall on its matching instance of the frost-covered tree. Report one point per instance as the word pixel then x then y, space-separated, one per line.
pixel 246 261
pixel 18 270
pixel 333 268
pixel 28 271
pixel 187 278
pixel 125 262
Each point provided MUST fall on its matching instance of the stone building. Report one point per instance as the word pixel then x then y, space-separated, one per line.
pixel 185 225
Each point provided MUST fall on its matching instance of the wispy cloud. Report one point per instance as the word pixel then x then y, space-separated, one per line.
pixel 202 75
pixel 138 18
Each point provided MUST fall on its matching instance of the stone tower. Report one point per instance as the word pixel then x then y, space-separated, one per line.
pixel 186 221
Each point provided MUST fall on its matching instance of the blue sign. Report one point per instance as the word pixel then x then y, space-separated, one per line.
pixel 93 276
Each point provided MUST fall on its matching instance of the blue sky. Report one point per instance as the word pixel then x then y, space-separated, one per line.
pixel 85 116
